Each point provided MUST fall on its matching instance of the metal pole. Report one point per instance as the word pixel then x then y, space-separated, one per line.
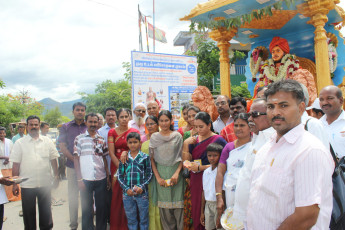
pixel 154 28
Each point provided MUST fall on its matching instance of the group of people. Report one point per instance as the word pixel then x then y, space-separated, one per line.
pixel 269 164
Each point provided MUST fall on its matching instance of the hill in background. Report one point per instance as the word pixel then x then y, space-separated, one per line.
pixel 65 107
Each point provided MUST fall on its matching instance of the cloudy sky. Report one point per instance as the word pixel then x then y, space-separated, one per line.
pixel 56 48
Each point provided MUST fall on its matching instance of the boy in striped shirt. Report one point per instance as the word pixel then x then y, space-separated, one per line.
pixel 134 177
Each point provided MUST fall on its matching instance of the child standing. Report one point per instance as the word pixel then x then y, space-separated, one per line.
pixel 208 217
pixel 134 177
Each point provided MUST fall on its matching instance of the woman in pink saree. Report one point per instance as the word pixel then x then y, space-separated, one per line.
pixel 195 151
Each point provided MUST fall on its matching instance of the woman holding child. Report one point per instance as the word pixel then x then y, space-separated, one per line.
pixel 117 143
pixel 195 150
pixel 166 152
pixel 232 160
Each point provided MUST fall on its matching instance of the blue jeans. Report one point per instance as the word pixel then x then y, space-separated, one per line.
pixel 97 189
pixel 134 203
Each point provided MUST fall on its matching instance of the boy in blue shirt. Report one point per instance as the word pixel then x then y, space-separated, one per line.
pixel 134 177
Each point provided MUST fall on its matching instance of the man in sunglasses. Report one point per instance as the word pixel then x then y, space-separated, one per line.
pixel 262 131
pixel 138 121
pixel 237 105
pixel 291 178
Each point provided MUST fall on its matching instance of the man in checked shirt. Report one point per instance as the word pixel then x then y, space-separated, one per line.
pixel 134 177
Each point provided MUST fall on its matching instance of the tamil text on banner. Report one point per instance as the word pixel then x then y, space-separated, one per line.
pixel 168 79
pixel 159 34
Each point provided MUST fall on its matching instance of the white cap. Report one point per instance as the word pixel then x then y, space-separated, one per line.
pixel 315 105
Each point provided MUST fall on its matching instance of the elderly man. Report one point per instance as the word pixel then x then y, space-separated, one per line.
pixel 101 120
pixel 237 105
pixel 262 131
pixel 291 180
pixel 138 121
pixel 20 134
pixel 152 108
pixel 33 156
pixel 331 102
pixel 224 118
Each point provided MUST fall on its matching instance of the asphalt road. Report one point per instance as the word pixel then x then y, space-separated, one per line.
pixel 60 213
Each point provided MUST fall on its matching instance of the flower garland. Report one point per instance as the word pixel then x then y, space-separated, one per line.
pixel 289 64
pixel 333 57
pixel 254 69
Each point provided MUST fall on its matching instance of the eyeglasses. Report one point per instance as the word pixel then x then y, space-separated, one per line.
pixel 150 124
pixel 220 103
pixel 140 111
pixel 236 107
pixel 256 114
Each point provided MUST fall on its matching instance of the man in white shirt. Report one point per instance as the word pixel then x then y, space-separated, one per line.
pixel 33 156
pixel 138 121
pixel 291 178
pixel 262 131
pixel 331 102
pixel 223 107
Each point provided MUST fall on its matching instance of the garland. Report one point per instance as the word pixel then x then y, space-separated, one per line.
pixel 289 64
pixel 254 69
pixel 240 20
pixel 333 57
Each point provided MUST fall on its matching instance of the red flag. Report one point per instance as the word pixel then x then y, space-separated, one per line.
pixel 159 34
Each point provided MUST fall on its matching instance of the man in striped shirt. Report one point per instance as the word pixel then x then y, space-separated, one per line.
pixel 92 173
pixel 134 177
pixel 291 181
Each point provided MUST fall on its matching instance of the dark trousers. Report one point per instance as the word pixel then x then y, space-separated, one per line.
pixel 62 166
pixel 97 189
pixel 43 196
pixel 108 204
pixel 1 215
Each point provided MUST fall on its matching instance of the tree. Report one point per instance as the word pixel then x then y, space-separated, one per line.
pixel 108 93
pixel 54 117
pixel 240 91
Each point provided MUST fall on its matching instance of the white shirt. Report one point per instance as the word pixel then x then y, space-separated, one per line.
pixel 3 197
pixel 9 144
pixel 243 181
pixel 208 184
pixel 234 164
pixel 141 129
pixel 34 156
pixel 294 172
pixel 336 133
pixel 316 128
pixel 218 124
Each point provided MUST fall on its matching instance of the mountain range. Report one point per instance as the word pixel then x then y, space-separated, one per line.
pixel 65 107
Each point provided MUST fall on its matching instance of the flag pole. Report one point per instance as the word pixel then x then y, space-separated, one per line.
pixel 140 35
pixel 154 28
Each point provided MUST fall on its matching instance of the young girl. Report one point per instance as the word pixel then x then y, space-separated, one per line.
pixel 166 151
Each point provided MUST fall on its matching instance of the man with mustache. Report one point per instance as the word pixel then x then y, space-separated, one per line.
pixel 291 180
pixel 138 121
pixel 152 108
pixel 223 107
pixel 262 131
pixel 68 133
pixel 92 172
pixel 33 156
pixel 331 102
pixel 237 105
pixel 110 118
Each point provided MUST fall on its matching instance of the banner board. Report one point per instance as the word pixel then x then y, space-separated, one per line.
pixel 166 78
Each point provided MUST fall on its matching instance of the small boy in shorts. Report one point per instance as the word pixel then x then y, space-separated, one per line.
pixel 134 177
pixel 209 216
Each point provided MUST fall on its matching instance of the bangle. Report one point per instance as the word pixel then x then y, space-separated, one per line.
pixel 218 193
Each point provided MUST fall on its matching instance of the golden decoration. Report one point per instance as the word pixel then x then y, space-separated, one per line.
pixel 219 18
pixel 333 39
pixel 274 22
pixel 253 36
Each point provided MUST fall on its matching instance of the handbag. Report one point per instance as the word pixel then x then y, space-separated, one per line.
pixel 338 179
